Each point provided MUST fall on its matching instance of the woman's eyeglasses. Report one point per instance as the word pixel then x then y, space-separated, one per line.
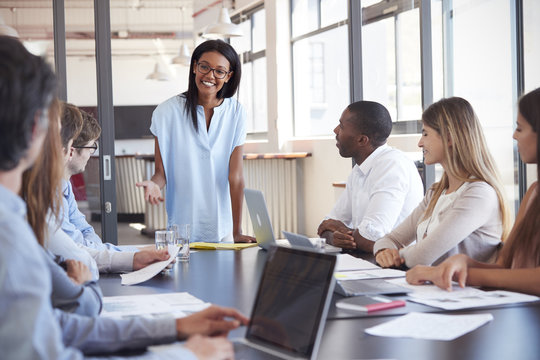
pixel 93 147
pixel 204 69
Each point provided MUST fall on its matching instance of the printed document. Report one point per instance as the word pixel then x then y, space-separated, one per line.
pixel 173 305
pixel 150 271
pixel 430 326
pixel 346 262
pixel 461 298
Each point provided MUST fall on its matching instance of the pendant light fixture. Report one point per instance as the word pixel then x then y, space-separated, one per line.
pixel 183 57
pixel 7 30
pixel 158 73
pixel 224 27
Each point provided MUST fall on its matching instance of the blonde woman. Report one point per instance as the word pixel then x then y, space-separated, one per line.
pixel 464 212
pixel 518 267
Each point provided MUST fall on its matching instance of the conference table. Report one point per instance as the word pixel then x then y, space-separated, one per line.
pixel 230 278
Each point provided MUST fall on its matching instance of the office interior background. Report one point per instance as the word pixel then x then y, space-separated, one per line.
pixel 304 61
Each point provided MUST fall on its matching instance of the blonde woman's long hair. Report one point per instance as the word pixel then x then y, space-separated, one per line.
pixel 468 158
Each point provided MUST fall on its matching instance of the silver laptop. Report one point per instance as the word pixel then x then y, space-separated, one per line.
pixel 262 227
pixel 289 311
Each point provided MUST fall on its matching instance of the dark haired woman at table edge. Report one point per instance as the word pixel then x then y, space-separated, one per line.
pixel 518 266
pixel 199 138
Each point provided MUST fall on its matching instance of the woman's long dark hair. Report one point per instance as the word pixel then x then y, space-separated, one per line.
pixel 228 90
pixel 523 245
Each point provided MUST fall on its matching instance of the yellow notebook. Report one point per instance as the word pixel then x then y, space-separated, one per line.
pixel 220 246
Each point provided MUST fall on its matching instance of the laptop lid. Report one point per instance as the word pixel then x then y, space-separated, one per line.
pixel 262 227
pixel 292 302
pixel 299 241
pixel 303 242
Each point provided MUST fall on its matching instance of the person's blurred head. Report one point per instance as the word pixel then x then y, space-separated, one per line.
pixel 84 145
pixel 215 71
pixel 72 123
pixel 528 123
pixel 27 86
pixel 452 136
pixel 41 188
pixel 363 127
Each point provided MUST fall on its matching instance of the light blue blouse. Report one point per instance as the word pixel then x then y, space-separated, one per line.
pixel 196 164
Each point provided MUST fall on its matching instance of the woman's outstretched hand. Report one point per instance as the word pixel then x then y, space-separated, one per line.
pixel 152 192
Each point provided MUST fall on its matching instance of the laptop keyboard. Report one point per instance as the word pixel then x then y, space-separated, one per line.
pixel 245 352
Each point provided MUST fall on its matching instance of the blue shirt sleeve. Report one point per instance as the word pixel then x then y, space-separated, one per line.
pixel 28 328
pixel 83 299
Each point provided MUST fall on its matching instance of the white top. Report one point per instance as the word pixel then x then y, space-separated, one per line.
pixel 467 221
pixel 380 193
pixel 196 165
pixel 104 260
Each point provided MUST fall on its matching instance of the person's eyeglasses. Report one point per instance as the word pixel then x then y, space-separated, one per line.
pixel 93 147
pixel 204 69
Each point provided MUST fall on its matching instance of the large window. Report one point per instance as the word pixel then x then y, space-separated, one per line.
pixel 252 50
pixel 391 61
pixel 320 50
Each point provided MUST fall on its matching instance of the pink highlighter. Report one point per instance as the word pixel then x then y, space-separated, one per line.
pixel 369 303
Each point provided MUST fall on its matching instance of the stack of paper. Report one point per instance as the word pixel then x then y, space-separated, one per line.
pixel 461 298
pixel 430 326
pixel 173 305
pixel 346 262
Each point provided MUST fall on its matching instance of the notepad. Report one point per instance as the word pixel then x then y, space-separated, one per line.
pixel 220 246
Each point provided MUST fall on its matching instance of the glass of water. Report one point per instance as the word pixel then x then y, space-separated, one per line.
pixel 182 241
pixel 165 239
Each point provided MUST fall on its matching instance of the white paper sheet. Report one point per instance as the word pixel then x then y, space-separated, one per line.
pixel 346 262
pixel 174 305
pixel 150 271
pixel 369 274
pixel 430 326
pixel 461 298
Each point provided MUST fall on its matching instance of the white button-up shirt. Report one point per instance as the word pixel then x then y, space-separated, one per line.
pixel 380 193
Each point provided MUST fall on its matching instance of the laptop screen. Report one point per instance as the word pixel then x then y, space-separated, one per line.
pixel 291 299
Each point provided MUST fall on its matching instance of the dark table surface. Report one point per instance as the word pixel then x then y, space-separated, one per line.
pixel 230 278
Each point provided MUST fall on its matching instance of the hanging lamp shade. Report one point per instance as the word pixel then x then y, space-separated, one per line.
pixel 223 28
pixel 158 73
pixel 7 30
pixel 183 58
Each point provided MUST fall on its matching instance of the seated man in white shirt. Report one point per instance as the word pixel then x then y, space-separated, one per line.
pixel 383 187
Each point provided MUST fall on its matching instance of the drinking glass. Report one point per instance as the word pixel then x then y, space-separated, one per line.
pixel 182 240
pixel 165 239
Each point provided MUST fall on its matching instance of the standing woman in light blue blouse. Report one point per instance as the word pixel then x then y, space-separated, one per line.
pixel 199 138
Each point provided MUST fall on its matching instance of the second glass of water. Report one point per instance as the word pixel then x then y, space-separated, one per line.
pixel 182 240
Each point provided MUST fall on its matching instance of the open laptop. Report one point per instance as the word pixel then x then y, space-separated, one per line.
pixel 289 312
pixel 368 287
pixel 262 227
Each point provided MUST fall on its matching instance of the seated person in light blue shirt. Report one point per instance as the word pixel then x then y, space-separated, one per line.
pixel 98 259
pixel 72 287
pixel 85 144
pixel 29 327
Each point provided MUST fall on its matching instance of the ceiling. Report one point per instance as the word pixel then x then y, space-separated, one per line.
pixel 130 19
